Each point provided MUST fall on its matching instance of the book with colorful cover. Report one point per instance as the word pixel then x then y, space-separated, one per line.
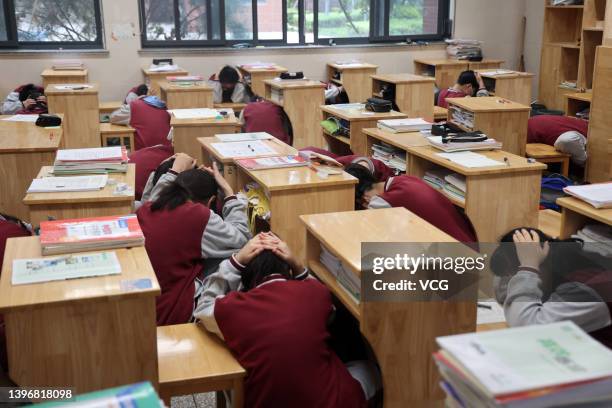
pixel 272 162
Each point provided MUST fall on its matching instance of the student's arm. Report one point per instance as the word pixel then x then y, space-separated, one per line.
pixel 482 92
pixel 217 91
pixel 11 104
pixel 240 94
pixel 161 183
pixel 122 115
pixel 482 89
pixel 377 203
pixel 148 189
pixel 131 96
pixel 223 236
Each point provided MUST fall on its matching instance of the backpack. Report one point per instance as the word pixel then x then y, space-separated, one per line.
pixel 552 188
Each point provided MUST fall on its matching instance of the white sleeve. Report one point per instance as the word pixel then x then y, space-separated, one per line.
pixel 148 189
pixel 224 236
pixel 121 116
pixel 161 183
pixel 11 104
pixel 377 203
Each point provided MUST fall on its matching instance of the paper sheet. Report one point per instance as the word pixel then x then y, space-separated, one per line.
pixel 65 184
pixel 203 113
pixel 163 68
pixel 470 159
pixel 243 137
pixel 38 270
pixel 22 118
pixel 96 153
pixel 73 86
pixel 495 314
pixel 243 149
pixel 497 72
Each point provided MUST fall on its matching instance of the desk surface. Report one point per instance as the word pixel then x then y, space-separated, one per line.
pixel 355 66
pixel 361 114
pixel 488 104
pixel 103 195
pixel 293 178
pixel 440 112
pixel 581 96
pixel 603 215
pixel 512 75
pixel 199 86
pixel 20 137
pixel 281 149
pixel 64 73
pixel 517 163
pixel 134 262
pixel 399 140
pixel 402 78
pixel 230 105
pixel 294 83
pixel 110 128
pixel 231 119
pixel 179 71
pixel 52 90
pixel 275 68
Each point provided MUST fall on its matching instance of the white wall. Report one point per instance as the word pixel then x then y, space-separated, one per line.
pixel 534 10
pixel 496 22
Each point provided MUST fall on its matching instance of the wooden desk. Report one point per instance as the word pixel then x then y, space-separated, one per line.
pixel 414 94
pixel 485 64
pixel 576 214
pixel 187 132
pixel 301 100
pixel 106 108
pixel 401 141
pixel 505 122
pixel 89 333
pixel 446 71
pixel 402 334
pixel 498 198
pixel 257 76
pixel 236 107
pixel 24 147
pixel 68 205
pixel 227 165
pixel 440 113
pixel 76 76
pixel 358 119
pixel 297 191
pixel 179 96
pixel 153 78
pixel 125 134
pixel 514 86
pixel 81 110
pixel 355 79
pixel 577 102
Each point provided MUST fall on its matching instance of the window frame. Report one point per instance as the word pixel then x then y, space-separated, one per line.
pixel 13 42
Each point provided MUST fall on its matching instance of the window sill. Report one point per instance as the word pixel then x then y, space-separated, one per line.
pixel 41 52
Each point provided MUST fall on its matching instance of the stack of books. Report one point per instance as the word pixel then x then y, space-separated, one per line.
pixel 404 125
pixel 463 49
pixel 392 157
pixel 462 117
pixel 90 234
pixel 436 178
pixel 276 95
pixel 598 195
pixel 68 65
pixel 455 186
pixel 98 160
pixel 348 280
pixel 527 367
pixel 489 144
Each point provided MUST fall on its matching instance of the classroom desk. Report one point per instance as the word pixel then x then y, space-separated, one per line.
pixel 515 86
pixel 259 75
pixel 440 113
pixel 576 214
pixel 106 108
pixel 297 191
pixel 446 71
pixel 89 333
pixel 68 76
pixel 187 132
pixel 358 119
pixel 498 198
pixel 81 110
pixel 414 94
pixel 301 100
pixel 577 102
pixel 236 107
pixel 401 334
pixel 228 167
pixel 24 147
pixel 401 141
pixel 354 78
pixel 82 204
pixel 178 96
pixel 505 122
pixel 153 78
pixel 125 135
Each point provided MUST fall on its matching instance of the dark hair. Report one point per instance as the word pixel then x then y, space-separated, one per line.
pixel 195 185
pixel 17 221
pixel 27 90
pixel 141 90
pixel 468 78
pixel 162 169
pixel 228 75
pixel 262 266
pixel 366 181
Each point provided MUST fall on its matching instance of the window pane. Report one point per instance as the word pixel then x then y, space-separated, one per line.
pixel 293 29
pixel 3 36
pixel 270 19
pixel 238 20
pixel 193 21
pixel 159 18
pixel 309 17
pixel 344 18
pixel 56 20
pixel 413 17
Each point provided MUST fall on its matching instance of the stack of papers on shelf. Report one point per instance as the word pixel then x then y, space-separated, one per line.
pixel 272 162
pixel 243 137
pixel 598 195
pixel 90 234
pixel 22 118
pixel 597 238
pixel 463 49
pixel 67 184
pixel 199 113
pixel 38 270
pixel 535 366
pixel 70 65
pixel 97 160
pixel 391 156
pixel 244 149
pixel 436 178
pixel 163 68
pixel 276 95
pixel 404 125
pixel 348 280
pixel 462 117
pixel 455 186
pixel 489 144
pixel 470 159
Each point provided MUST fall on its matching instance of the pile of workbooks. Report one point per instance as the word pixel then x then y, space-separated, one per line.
pixel 554 365
pixel 457 145
pixel 452 184
pixel 98 160
pixel 463 49
pixel 391 156
pixel 404 125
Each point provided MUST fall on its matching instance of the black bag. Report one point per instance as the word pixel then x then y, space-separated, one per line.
pixel 292 75
pixel 378 105
pixel 46 120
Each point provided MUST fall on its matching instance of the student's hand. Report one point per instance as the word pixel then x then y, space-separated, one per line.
pixel 529 250
pixel 183 162
pixel 41 98
pixel 29 103
pixel 282 250
pixel 252 248
pixel 223 184
pixel 481 84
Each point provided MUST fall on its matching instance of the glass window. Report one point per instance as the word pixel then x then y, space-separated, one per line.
pixel 238 20
pixel 193 20
pixel 343 18
pixel 270 19
pixel 3 36
pixel 159 17
pixel 410 17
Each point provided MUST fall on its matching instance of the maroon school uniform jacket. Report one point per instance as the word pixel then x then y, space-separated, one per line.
pixel 152 124
pixel 147 160
pixel 382 172
pixel 278 333
pixel 547 128
pixel 423 200
pixel 173 240
pixel 266 117
pixel 449 93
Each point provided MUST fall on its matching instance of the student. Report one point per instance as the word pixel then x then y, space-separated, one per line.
pixel 416 196
pixel 335 94
pixel 264 116
pixel 185 240
pixel 228 87
pixel 274 320
pixel 566 134
pixel 540 280
pixel 135 93
pixel 27 99
pixel 149 116
pixel 380 170
pixel 469 83
pixel 146 161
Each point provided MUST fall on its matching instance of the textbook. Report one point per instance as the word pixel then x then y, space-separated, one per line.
pixel 88 234
pixel 139 395
pixel 470 159
pixel 200 113
pixel 272 162
pixel 598 195
pixel 68 184
pixel 96 160
pixel 404 125
pixel 489 144
pixel 243 137
pixel 243 149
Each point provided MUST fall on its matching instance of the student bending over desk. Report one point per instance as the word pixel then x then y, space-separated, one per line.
pixel 274 319
pixel 28 99
pixel 543 280
pixel 380 170
pixel 416 196
pixel 469 83
pixel 565 133
pixel 228 87
pixel 147 160
pixel 264 116
pixel 185 240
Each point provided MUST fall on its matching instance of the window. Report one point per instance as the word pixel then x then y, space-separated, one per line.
pixel 172 23
pixel 50 24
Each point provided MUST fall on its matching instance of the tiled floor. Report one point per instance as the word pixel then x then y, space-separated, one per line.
pixel 206 400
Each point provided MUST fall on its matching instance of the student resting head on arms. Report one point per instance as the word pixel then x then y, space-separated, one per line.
pixel 416 196
pixel 264 116
pixel 274 319
pixel 135 93
pixel 566 134
pixel 185 240
pixel 228 86
pixel 25 100
pixel 379 170
pixel 469 83
pixel 540 280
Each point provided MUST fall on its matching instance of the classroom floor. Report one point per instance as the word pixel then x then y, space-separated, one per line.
pixel 206 400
